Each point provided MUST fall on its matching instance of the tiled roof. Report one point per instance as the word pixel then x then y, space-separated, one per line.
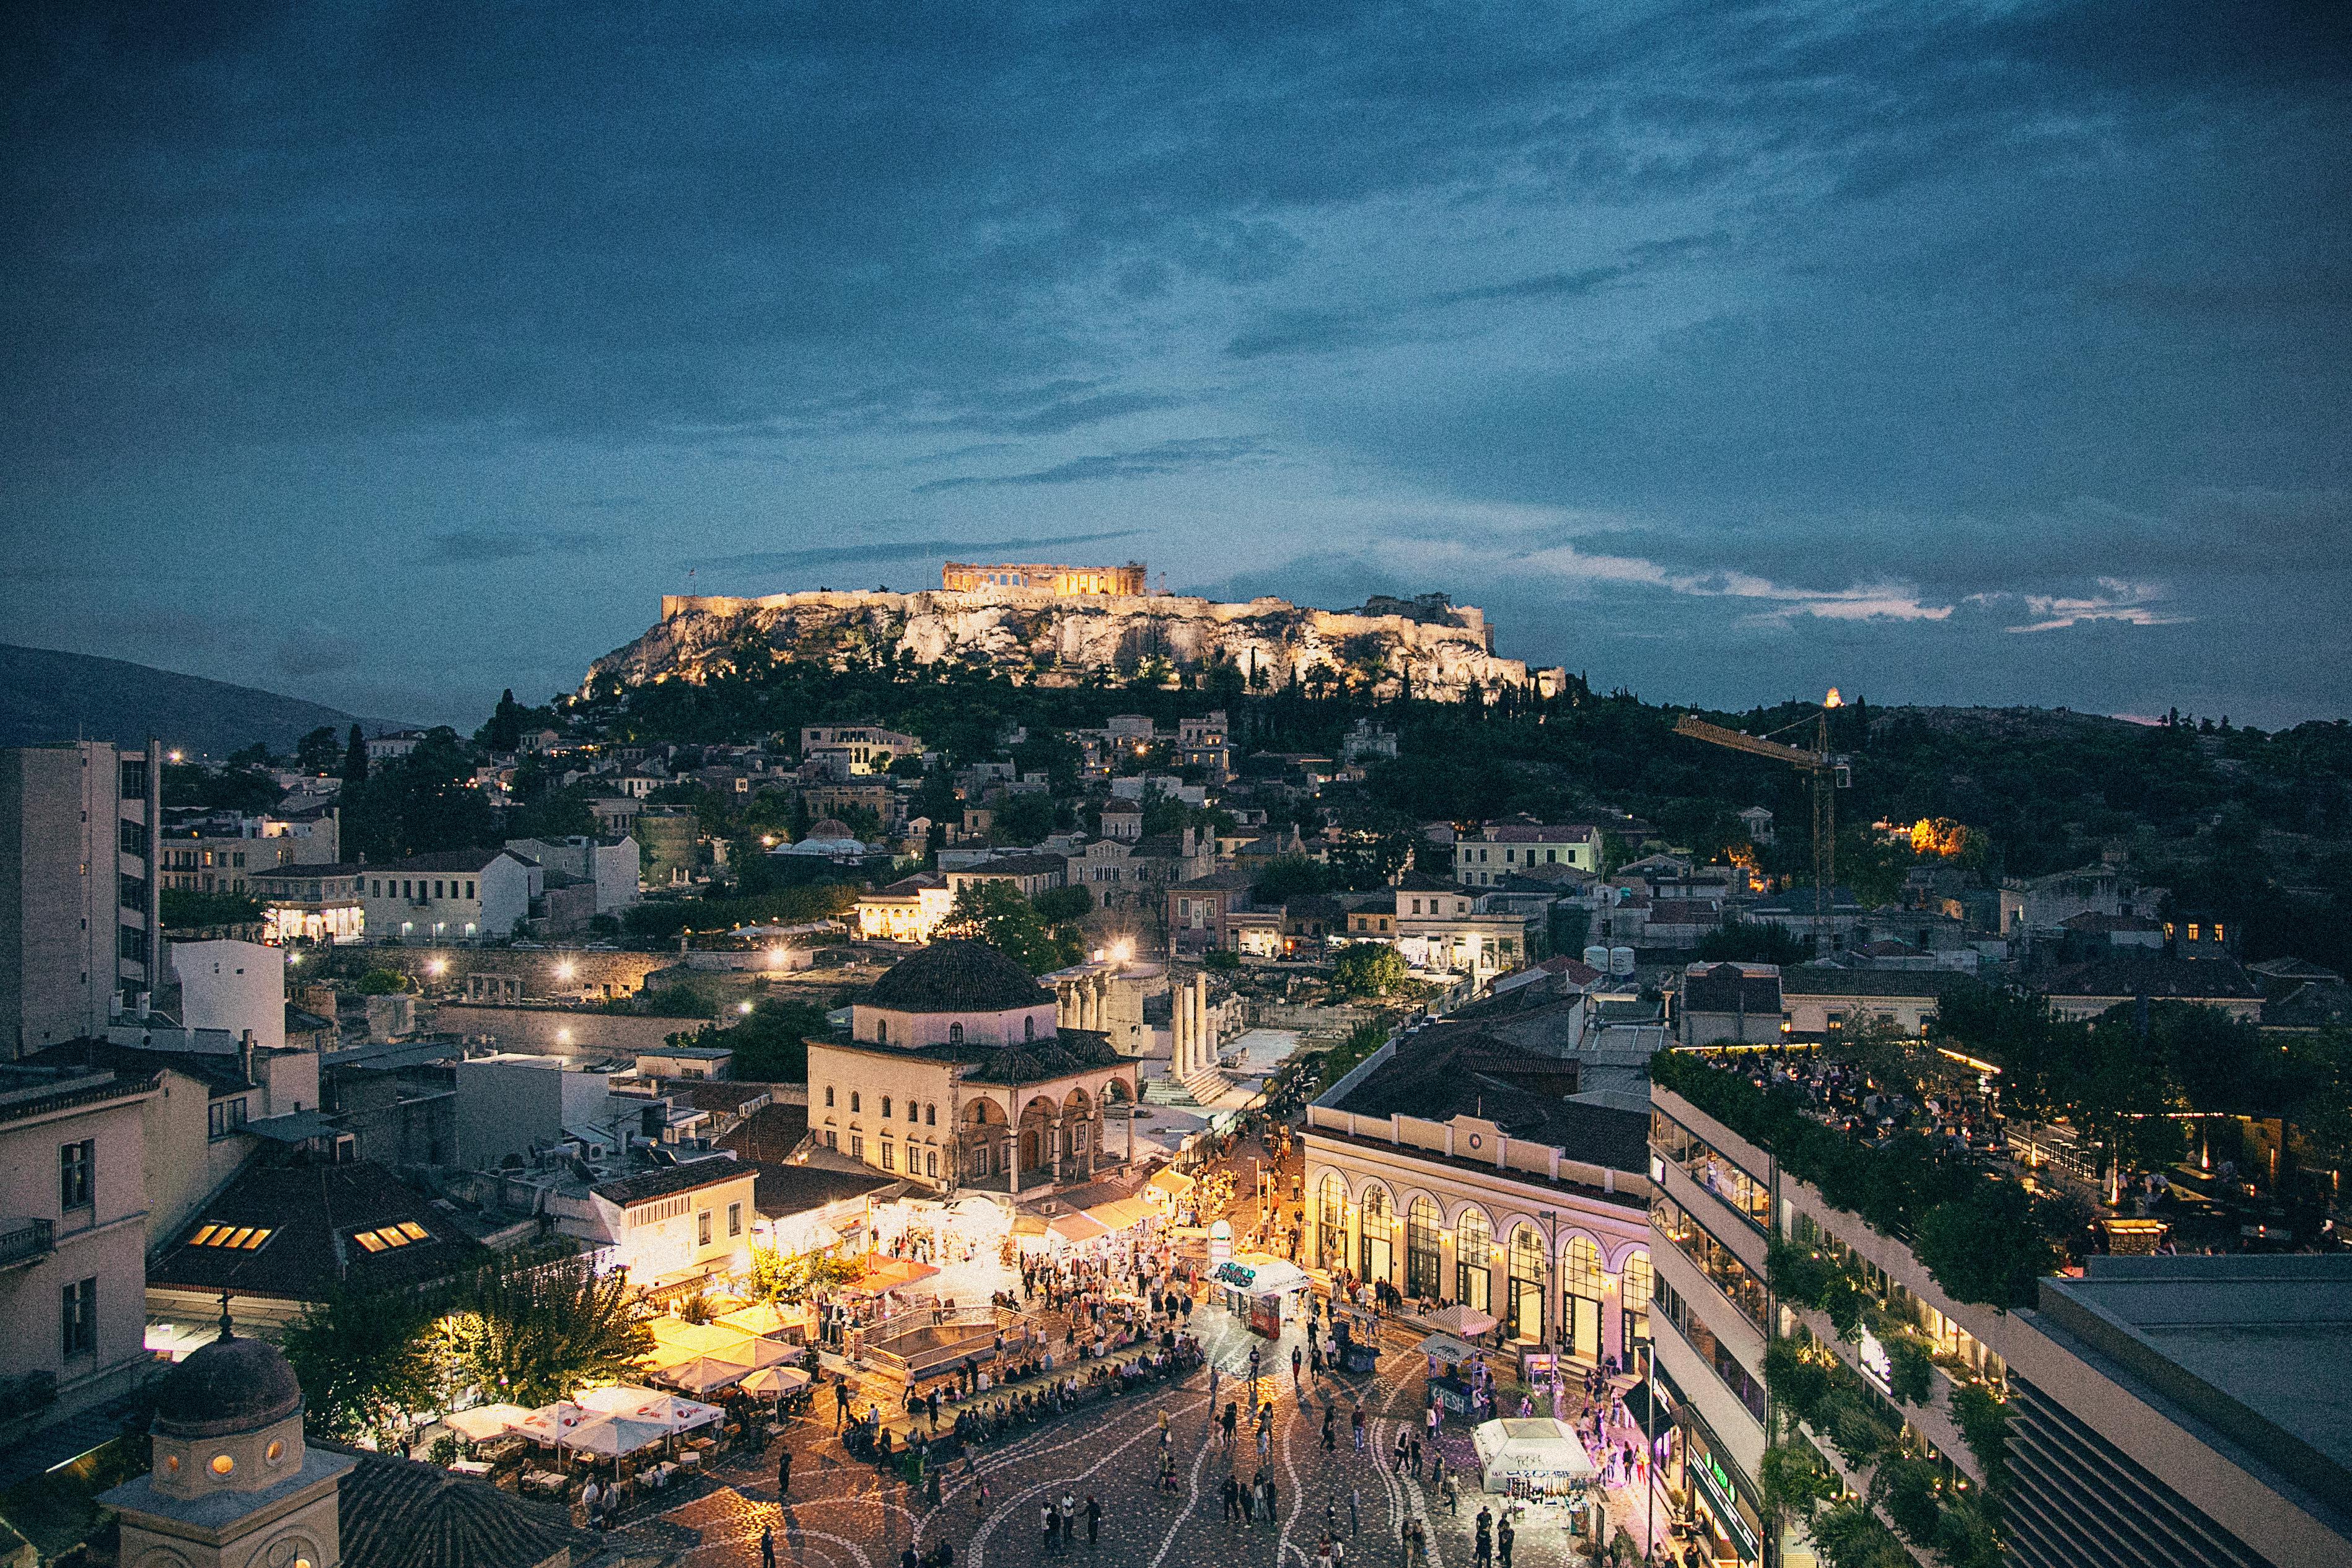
pixel 663 1180
pixel 1727 989
pixel 768 1134
pixel 450 859
pixel 312 1212
pixel 956 978
pixel 2157 975
pixel 218 1073
pixel 1830 980
pixel 398 1513
pixel 1453 1069
pixel 784 1189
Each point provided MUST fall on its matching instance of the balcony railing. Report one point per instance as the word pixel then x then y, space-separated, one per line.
pixel 26 1241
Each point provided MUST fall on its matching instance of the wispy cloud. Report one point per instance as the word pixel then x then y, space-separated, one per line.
pixel 2131 603
pixel 1165 457
pixel 898 550
pixel 475 546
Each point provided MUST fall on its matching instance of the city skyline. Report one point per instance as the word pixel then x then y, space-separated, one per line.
pixel 1722 355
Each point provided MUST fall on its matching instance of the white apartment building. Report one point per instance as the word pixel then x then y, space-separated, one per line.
pixel 611 864
pixel 79 902
pixel 459 895
pixel 73 1242
pixel 1502 850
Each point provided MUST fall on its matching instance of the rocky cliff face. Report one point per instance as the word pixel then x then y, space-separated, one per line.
pixel 1444 650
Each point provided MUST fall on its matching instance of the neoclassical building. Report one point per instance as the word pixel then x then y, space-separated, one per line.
pixel 956 1072
pixel 1459 1166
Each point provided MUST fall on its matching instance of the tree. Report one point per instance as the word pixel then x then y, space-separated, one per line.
pixel 778 1276
pixel 382 983
pixel 365 1359
pixel 997 914
pixel 424 802
pixel 504 732
pixel 183 908
pixel 1751 942
pixel 1023 819
pixel 1286 877
pixel 1061 905
pixel 770 1045
pixel 536 1329
pixel 318 752
pixel 1371 970
pixel 355 757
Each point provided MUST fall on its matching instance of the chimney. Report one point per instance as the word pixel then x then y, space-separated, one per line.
pixel 1188 843
pixel 245 1055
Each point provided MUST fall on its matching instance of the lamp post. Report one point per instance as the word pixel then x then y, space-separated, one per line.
pixel 1650 1449
pixel 1551 1271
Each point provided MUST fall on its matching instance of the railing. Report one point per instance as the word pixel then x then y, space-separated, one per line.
pixel 26 1241
pixel 913 1344
pixel 34 1102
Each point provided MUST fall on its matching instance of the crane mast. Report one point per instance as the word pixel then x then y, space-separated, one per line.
pixel 1828 772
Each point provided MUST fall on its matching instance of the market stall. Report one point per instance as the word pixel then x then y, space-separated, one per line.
pixel 1459 1321
pixel 1453 1367
pixel 486 1423
pixel 1265 1290
pixel 1534 1457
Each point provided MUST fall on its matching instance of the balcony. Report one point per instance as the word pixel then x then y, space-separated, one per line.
pixel 24 1241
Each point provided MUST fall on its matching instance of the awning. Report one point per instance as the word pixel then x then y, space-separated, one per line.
pixel 775 1380
pixel 610 1436
pixel 1445 1347
pixel 1168 1179
pixel 549 1423
pixel 882 1273
pixel 1122 1214
pixel 1078 1226
pixel 1637 1406
pixel 761 1318
pixel 664 1410
pixel 1461 1321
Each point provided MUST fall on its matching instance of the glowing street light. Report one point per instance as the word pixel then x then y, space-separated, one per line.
pixel 566 969
pixel 744 1007
pixel 437 967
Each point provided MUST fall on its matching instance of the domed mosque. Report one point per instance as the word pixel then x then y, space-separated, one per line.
pixel 234 1485
pixel 954 1073
pixel 233 1481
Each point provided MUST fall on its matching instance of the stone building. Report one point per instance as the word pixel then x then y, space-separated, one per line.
pixel 956 1071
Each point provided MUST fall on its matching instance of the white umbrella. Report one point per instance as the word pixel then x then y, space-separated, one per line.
pixel 484 1422
pixel 701 1374
pixel 610 1436
pixel 550 1422
pixel 621 1398
pixel 1462 1321
pixel 666 1411
pixel 775 1380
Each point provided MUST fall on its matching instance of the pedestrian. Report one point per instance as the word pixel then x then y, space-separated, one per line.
pixel 1452 1497
pixel 1048 1523
pixel 907 1559
pixel 1355 1510
pixel 783 1471
pixel 1330 1436
pixel 1483 1547
pixel 1356 1425
pixel 1231 1490
pixel 589 1499
pixel 1401 1450
pixel 1231 1420
pixel 767 1547
pixel 840 1404
pixel 1094 1520
pixel 1249 1504
pixel 1265 1495
pixel 1069 1519
pixel 1503 1536
pixel 1416 1455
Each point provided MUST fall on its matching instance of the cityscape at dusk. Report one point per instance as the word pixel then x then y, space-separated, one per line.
pixel 1455 787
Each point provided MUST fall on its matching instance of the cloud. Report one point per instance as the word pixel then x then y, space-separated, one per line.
pixel 470 547
pixel 309 652
pixel 903 549
pixel 2129 603
pixel 1165 458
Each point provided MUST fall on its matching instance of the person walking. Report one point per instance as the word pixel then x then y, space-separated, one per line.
pixel 1049 1524
pixel 1265 1498
pixel 1233 1490
pixel 784 1472
pixel 1356 1425
pixel 1503 1538
pixel 1249 1504
pixel 1402 1450
pixel 1094 1520
pixel 840 1404
pixel 767 1547
pixel 1355 1510
pixel 1069 1519
pixel 1330 1431
pixel 1232 1419
pixel 1481 1552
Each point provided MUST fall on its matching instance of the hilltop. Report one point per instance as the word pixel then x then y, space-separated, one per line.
pixel 1425 647
pixel 46 696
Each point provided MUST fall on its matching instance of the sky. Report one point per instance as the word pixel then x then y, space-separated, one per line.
pixel 392 354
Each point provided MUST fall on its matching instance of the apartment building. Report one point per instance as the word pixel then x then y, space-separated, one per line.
pixel 1500 850
pixel 2150 1418
pixel 80 901
pixel 458 896
pixel 73 1242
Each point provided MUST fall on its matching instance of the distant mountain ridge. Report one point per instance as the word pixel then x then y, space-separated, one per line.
pixel 46 696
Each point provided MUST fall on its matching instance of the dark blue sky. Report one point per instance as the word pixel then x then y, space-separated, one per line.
pixel 392 354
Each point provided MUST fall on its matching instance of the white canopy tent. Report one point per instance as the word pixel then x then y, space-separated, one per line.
pixel 549 1423
pixel 1535 1450
pixel 667 1411
pixel 775 1380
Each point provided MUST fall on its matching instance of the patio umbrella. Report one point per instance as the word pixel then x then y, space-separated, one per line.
pixel 775 1380
pixel 612 1437
pixel 761 1318
pixel 550 1422
pixel 621 1398
pixel 701 1374
pixel 1462 1321
pixel 666 1411
pixel 484 1422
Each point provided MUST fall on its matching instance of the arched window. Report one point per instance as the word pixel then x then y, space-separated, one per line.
pixel 1376 1249
pixel 1639 1286
pixel 931 1115
pixel 1029 1028
pixel 910 1110
pixel 828 1096
pixel 1332 1222
pixel 881 1031
pixel 1420 1255
pixel 885 1107
pixel 1473 1248
pixel 852 1102
pixel 955 1034
pixel 1522 1303
pixel 1580 1270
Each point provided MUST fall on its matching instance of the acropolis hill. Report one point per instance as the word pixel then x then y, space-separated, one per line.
pixel 1444 650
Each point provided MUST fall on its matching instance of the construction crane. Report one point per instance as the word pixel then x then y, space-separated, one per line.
pixel 1830 773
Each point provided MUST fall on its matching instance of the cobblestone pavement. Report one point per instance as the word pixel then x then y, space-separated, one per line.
pixel 843 1513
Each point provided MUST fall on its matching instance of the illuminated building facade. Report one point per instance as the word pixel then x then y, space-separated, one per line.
pixel 1067 580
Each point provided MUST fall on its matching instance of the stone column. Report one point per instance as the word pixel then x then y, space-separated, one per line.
pixel 1053 1134
pixel 1012 1160
pixel 1088 1139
